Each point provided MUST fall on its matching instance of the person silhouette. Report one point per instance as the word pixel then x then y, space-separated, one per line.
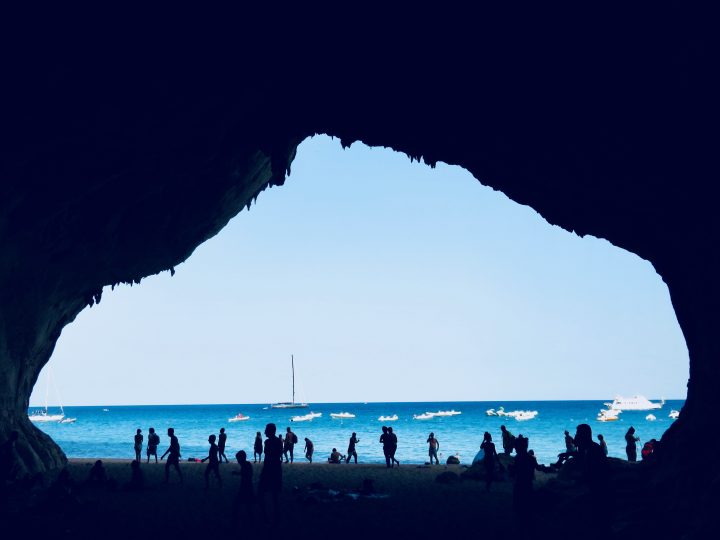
pixel 98 476
pixel 245 495
pixel 271 473
pixel 603 444
pixel 393 446
pixel 309 448
pixel 570 450
pixel 258 447
pixel 524 468
pixel 290 440
pixel 137 481
pixel 174 457
pixel 433 447
pixel 214 464
pixel 138 445
pixel 335 457
pixel 508 440
pixel 385 441
pixel 351 448
pixel 490 459
pixel 152 445
pixel 593 466
pixel 631 444
pixel 222 439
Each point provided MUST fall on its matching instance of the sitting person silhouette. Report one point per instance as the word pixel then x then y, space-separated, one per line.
pixel 335 456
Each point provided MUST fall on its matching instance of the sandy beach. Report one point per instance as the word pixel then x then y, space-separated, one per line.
pixel 407 500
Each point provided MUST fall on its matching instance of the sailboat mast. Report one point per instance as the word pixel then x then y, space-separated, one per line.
pixel 292 363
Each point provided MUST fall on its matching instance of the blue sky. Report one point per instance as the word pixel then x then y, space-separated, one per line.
pixel 388 281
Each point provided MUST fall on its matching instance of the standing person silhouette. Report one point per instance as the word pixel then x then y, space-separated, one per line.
pixel 214 465
pixel 138 445
pixel 309 448
pixel 174 457
pixel 271 474
pixel 490 459
pixel 631 441
pixel 289 447
pixel 258 448
pixel 385 441
pixel 351 448
pixel 245 493
pixel 508 440
pixel 433 447
pixel 152 445
pixel 222 439
pixel 393 446
pixel 524 471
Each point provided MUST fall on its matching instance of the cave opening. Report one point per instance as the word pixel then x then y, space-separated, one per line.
pixel 435 287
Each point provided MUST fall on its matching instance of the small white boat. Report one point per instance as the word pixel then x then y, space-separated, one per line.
pixel 424 416
pixel 525 415
pixel 43 416
pixel 444 413
pixel 315 414
pixel 106 410
pixel 651 417
pixel 674 414
pixel 342 415
pixel 491 412
pixel 501 412
pixel 68 420
pixel 303 418
pixel 392 418
pixel 239 417
pixel 608 415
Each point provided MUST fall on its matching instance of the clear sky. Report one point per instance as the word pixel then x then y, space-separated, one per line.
pixel 388 281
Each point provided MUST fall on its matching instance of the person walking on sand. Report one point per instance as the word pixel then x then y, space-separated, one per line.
pixel 490 459
pixel 222 440
pixel 258 448
pixel 152 445
pixel 631 441
pixel 385 441
pixel 138 445
pixel 508 440
pixel 603 444
pixel 309 449
pixel 289 447
pixel 351 448
pixel 433 447
pixel 393 446
pixel 271 474
pixel 174 457
pixel 214 465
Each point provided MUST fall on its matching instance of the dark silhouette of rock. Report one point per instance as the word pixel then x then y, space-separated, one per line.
pixel 447 477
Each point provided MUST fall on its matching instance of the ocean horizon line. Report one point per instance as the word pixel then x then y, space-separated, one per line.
pixel 309 403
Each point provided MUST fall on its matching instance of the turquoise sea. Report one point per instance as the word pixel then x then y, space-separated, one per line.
pixel 108 432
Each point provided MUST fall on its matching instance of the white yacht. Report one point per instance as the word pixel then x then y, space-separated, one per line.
pixel 290 404
pixel 491 412
pixel 42 415
pixel 444 413
pixel 674 414
pixel 424 416
pixel 392 418
pixel 635 403
pixel 525 415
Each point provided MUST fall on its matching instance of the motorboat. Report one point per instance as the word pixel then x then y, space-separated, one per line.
pixel 342 415
pixel 239 417
pixel 315 414
pixel 491 412
pixel 303 418
pixel 608 415
pixel 501 412
pixel 525 415
pixel 445 413
pixel 635 403
pixel 392 418
pixel 424 416
pixel 290 404
pixel 674 414
pixel 651 417
pixel 68 420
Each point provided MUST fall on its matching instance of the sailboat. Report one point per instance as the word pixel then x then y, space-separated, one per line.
pixel 42 415
pixel 290 404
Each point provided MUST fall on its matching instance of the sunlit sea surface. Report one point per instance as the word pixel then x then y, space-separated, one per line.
pixel 109 433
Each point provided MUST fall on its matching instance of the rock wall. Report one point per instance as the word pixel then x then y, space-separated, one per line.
pixel 122 151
